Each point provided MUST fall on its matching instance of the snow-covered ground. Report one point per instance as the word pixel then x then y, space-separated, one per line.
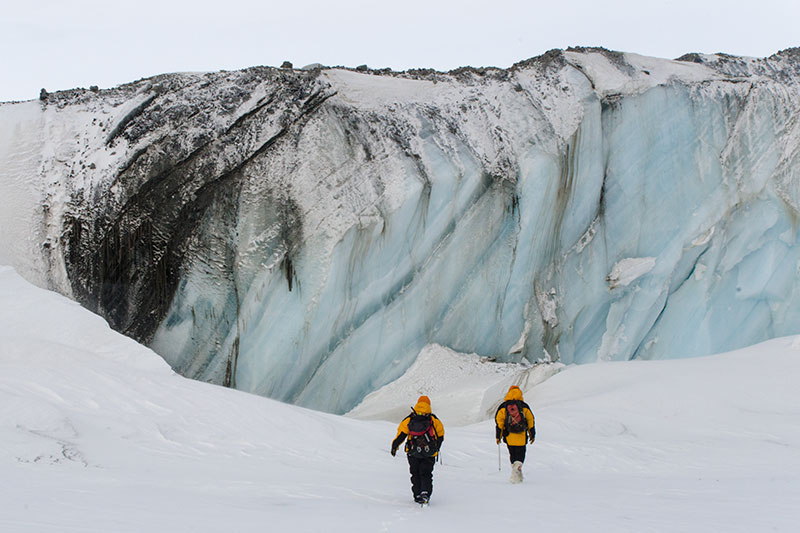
pixel 98 434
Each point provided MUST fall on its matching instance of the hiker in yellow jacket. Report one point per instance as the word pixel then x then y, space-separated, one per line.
pixel 516 425
pixel 425 434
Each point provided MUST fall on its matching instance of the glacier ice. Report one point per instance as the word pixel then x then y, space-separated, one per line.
pixel 305 234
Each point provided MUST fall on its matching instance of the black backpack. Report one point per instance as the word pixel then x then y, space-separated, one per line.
pixel 515 417
pixel 422 438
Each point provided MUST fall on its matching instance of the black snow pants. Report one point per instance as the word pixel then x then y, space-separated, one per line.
pixel 421 474
pixel 516 453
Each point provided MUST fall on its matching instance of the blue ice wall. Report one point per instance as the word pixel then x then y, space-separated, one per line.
pixel 686 184
pixel 528 216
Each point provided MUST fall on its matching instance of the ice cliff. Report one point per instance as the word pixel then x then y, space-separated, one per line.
pixel 303 234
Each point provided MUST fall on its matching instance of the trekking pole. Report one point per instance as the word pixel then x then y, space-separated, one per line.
pixel 498 457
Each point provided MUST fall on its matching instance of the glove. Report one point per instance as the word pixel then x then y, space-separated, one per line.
pixel 394 452
pixel 498 441
pixel 532 436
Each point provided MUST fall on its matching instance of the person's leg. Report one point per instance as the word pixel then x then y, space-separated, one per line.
pixel 516 453
pixel 426 474
pixel 416 477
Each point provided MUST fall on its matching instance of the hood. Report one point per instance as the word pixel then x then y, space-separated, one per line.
pixel 423 406
pixel 514 393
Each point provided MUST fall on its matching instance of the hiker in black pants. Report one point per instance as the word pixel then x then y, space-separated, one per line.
pixel 425 434
pixel 515 424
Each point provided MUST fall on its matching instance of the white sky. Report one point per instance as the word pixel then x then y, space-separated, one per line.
pixel 61 44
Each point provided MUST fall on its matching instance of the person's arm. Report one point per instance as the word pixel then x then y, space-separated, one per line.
pixel 438 427
pixel 531 425
pixel 398 441
pixel 402 433
pixel 500 423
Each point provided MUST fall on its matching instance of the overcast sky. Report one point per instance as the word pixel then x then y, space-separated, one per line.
pixel 61 44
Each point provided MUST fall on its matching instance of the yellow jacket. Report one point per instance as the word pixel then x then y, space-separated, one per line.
pixel 421 408
pixel 514 439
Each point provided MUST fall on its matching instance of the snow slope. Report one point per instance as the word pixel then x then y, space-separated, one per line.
pixel 98 434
